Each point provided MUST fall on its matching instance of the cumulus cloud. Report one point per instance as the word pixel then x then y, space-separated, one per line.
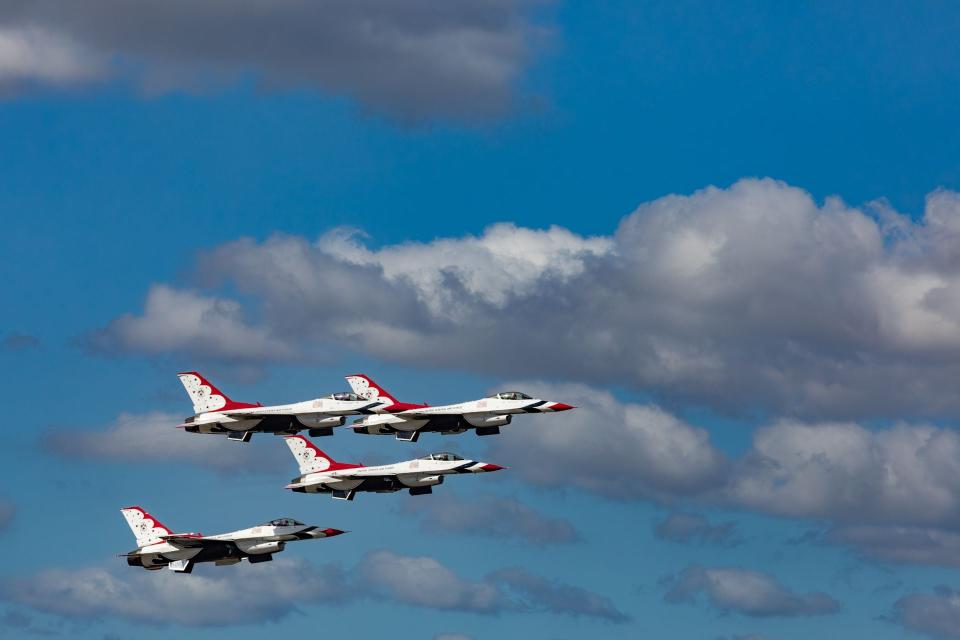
pixel 152 438
pixel 656 454
pixel 187 322
pixel 270 591
pixel 935 614
pixel 417 60
pixel 907 474
pixel 689 528
pixel 492 516
pixel 747 592
pixel 893 493
pixel 822 310
pixel 425 582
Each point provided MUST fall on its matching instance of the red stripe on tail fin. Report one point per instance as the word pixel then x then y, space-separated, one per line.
pixel 206 397
pixel 311 459
pixel 364 387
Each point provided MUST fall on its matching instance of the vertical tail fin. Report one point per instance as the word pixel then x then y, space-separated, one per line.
pixel 367 388
pixel 145 527
pixel 205 396
pixel 310 458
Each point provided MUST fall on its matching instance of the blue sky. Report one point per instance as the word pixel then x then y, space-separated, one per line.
pixel 497 194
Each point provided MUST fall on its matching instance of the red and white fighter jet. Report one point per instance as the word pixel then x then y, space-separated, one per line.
pixel 158 547
pixel 216 413
pixel 407 421
pixel 322 474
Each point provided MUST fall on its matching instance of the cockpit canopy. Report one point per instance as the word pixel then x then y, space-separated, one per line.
pixel 513 395
pixel 283 522
pixel 444 457
pixel 345 396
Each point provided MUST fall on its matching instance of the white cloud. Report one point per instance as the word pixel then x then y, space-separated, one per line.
pixel 268 592
pixel 821 311
pixel 935 614
pixel 153 438
pixel 425 582
pixel 184 321
pixel 747 592
pixel 31 54
pixel 904 474
pixel 505 263
pixel 273 590
pixel 656 455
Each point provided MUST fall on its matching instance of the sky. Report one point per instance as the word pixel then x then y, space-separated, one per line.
pixel 726 232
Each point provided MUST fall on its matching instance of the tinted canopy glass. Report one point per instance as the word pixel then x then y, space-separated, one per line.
pixel 284 522
pixel 444 456
pixel 513 395
pixel 345 396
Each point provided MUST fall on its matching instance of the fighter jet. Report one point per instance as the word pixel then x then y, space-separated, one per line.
pixel 319 473
pixel 407 421
pixel 216 413
pixel 158 547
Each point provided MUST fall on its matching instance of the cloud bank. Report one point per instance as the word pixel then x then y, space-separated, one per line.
pixel 824 311
pixel 273 590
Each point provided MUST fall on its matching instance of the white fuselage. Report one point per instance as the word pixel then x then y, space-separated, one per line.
pixel 259 540
pixel 387 477
pixel 486 412
pixel 282 418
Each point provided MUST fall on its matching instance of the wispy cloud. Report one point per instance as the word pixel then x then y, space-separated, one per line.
pixel 747 592
pixel 490 516
pixel 690 528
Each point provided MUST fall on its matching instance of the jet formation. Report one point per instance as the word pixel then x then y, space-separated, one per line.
pixel 378 413
pixel 215 412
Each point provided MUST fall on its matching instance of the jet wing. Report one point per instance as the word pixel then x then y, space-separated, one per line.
pixel 187 541
pixel 415 414
pixel 360 472
pixel 254 413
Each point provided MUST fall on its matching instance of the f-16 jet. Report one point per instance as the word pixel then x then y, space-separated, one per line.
pixel 158 547
pixel 319 473
pixel 214 412
pixel 407 421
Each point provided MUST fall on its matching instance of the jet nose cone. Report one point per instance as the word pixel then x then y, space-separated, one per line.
pixel 491 467
pixel 332 532
pixel 559 406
